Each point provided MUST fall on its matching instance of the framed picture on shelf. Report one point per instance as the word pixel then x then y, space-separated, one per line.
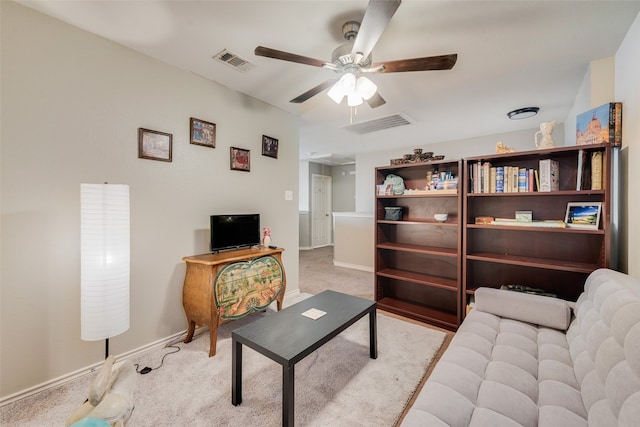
pixel 154 145
pixel 240 159
pixel 269 146
pixel 202 133
pixel 583 215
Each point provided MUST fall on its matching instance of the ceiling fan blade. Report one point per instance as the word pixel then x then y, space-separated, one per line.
pixel 442 62
pixel 376 100
pixel 376 18
pixel 313 91
pixel 286 56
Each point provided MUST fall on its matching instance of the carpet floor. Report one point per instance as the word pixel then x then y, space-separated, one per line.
pixel 317 273
pixel 337 385
pixel 192 389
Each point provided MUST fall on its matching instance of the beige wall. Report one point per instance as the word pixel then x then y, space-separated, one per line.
pixel 71 105
pixel 353 240
pixel 627 91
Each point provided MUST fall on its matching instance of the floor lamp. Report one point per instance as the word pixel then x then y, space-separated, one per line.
pixel 104 261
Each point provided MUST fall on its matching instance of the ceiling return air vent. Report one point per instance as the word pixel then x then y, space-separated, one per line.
pixel 234 61
pixel 381 123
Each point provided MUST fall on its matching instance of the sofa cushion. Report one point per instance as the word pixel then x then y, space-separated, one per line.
pixel 535 309
pixel 604 340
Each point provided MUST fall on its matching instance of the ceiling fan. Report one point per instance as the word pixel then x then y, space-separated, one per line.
pixel 353 59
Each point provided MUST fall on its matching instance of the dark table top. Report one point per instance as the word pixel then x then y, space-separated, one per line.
pixel 287 336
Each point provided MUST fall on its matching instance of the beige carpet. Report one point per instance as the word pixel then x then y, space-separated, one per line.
pixel 317 273
pixel 192 389
pixel 338 385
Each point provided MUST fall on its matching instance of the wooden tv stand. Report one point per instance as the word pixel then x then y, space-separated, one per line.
pixel 230 285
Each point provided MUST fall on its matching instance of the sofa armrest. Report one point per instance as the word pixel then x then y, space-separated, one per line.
pixel 539 310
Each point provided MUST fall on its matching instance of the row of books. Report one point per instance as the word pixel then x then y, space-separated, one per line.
pixel 486 178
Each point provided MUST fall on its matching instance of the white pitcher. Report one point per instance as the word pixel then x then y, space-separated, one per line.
pixel 546 129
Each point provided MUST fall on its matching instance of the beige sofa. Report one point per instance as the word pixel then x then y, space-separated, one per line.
pixel 529 360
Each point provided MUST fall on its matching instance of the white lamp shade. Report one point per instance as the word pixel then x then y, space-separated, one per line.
pixel 104 260
pixel 353 99
pixel 365 87
pixel 336 93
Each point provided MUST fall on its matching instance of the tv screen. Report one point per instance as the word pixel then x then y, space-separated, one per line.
pixel 234 231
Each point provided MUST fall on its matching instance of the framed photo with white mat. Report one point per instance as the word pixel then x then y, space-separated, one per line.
pixel 583 215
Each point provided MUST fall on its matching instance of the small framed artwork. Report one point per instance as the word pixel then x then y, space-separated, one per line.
pixel 154 145
pixel 203 133
pixel 269 146
pixel 240 159
pixel 583 215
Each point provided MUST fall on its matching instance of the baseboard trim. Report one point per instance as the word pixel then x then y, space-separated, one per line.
pixel 353 266
pixel 172 339
pixel 163 342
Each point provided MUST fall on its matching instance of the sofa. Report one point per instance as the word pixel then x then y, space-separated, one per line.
pixel 530 360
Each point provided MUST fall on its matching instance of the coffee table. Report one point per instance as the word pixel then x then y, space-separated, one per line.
pixel 287 337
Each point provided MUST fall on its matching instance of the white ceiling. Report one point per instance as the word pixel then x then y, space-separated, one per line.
pixel 511 54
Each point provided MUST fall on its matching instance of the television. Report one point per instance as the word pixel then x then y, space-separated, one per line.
pixel 234 231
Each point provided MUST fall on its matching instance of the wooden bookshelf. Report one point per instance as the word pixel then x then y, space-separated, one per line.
pixel 418 259
pixel 557 260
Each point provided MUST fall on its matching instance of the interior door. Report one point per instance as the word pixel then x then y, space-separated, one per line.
pixel 320 210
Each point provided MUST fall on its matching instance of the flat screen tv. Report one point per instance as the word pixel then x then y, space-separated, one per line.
pixel 234 231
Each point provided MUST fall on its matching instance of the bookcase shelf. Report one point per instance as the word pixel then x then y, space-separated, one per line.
pixel 417 259
pixel 432 250
pixel 414 310
pixel 529 261
pixel 535 229
pixel 557 260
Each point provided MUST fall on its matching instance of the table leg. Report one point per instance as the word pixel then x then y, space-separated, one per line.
pixel 373 335
pixel 236 372
pixel 287 395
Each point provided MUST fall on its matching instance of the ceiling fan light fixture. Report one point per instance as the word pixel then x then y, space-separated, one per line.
pixel 365 87
pixel 523 113
pixel 354 99
pixel 348 81
pixel 336 93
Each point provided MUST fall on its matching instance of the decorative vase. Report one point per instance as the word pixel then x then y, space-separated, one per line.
pixel 266 237
pixel 546 129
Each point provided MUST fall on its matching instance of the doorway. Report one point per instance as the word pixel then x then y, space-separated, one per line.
pixel 321 210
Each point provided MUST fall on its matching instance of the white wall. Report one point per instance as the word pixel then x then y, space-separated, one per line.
pixel 71 105
pixel 627 91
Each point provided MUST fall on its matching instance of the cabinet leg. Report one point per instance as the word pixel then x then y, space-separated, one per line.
pixel 213 338
pixel 191 330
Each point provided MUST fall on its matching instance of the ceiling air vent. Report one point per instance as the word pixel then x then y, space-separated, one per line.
pixel 382 123
pixel 233 60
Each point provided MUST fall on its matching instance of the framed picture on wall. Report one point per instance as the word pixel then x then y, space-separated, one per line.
pixel 240 159
pixel 202 133
pixel 583 215
pixel 269 146
pixel 154 145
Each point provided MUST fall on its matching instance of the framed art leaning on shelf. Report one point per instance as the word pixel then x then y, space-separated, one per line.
pixel 583 215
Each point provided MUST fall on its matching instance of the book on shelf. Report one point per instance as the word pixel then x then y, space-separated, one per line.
pixel 596 170
pixel 514 179
pixel 523 180
pixel 547 223
pixel 549 172
pixel 600 125
pixel 499 179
